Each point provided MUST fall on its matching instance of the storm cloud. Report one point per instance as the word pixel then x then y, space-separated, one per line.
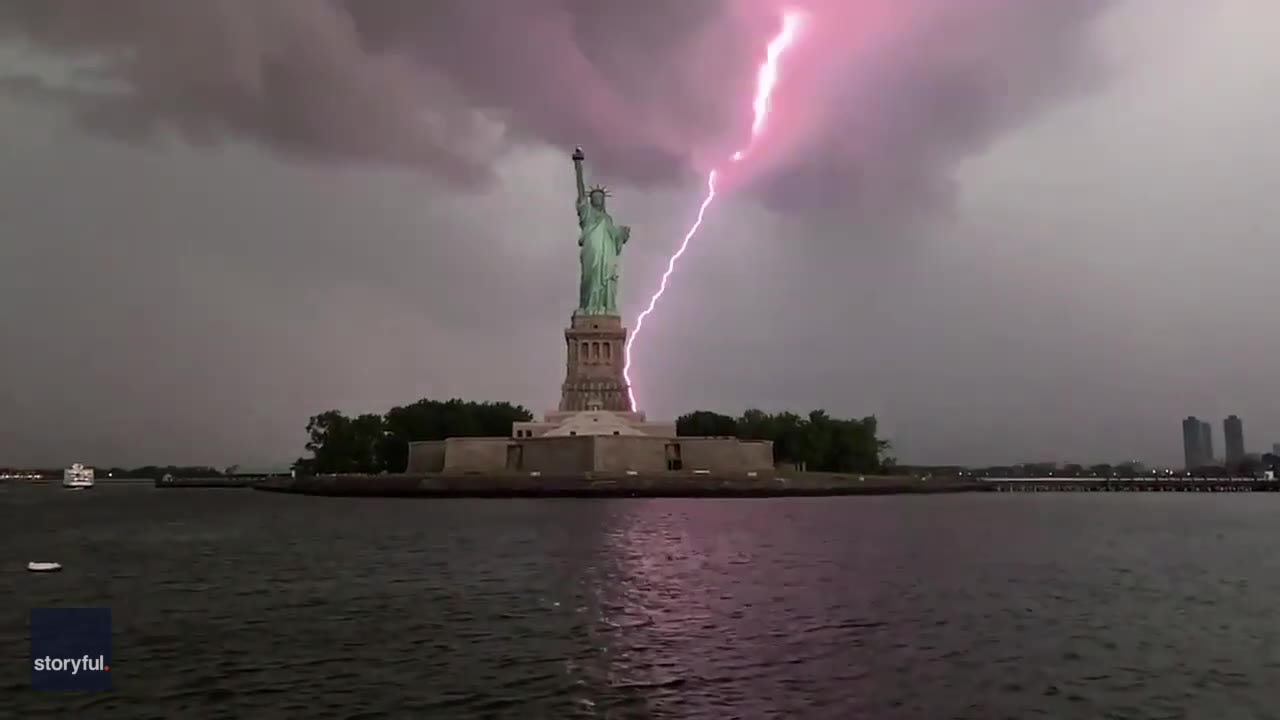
pixel 878 102
pixel 1014 230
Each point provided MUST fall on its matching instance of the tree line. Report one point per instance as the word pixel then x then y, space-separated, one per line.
pixel 817 442
pixel 373 443
pixel 155 472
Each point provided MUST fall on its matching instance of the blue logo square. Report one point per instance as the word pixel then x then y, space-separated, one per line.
pixel 71 648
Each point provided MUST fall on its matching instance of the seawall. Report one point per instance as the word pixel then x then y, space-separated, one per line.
pixel 609 485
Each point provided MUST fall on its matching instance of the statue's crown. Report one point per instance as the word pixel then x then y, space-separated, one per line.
pixel 599 189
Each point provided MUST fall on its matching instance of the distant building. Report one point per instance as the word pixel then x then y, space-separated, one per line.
pixel 1275 448
pixel 1196 443
pixel 1190 442
pixel 1206 443
pixel 1233 439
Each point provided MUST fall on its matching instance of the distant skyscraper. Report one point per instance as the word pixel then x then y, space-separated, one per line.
pixel 1193 443
pixel 1233 439
pixel 1275 448
pixel 1206 442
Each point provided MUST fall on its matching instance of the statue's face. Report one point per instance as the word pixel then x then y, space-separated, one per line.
pixel 597 199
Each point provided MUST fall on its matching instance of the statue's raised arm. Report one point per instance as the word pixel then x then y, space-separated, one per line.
pixel 578 157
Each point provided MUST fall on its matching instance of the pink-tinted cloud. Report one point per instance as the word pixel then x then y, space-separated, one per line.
pixel 873 109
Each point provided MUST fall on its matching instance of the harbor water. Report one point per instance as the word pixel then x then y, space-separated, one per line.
pixel 231 603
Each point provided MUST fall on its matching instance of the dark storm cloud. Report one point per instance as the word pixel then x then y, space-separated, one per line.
pixel 880 99
pixel 893 96
pixel 1106 270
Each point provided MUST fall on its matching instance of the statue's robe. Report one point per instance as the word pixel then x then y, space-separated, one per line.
pixel 601 242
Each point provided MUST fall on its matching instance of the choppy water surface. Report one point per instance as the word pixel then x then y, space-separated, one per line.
pixel 237 604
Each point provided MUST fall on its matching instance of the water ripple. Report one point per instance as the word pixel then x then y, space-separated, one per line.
pixel 241 605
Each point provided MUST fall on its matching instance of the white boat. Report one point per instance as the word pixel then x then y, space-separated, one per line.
pixel 43 566
pixel 77 477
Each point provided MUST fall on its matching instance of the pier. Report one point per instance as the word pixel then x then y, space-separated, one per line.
pixel 1167 484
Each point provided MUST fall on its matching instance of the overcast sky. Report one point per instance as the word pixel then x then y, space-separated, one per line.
pixel 1013 231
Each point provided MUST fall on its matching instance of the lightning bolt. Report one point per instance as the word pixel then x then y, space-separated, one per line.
pixel 766 80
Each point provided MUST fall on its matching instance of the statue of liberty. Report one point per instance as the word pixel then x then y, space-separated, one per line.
pixel 601 242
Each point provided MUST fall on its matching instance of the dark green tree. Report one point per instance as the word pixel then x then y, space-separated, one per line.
pixel 819 442
pixel 436 420
pixel 835 445
pixel 340 444
pixel 703 423
pixel 373 443
pixel 155 472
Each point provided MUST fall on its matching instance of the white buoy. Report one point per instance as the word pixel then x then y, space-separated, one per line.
pixel 43 567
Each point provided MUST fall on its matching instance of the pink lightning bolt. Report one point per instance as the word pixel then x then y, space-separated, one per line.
pixel 766 80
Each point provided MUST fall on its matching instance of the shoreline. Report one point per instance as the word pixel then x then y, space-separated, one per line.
pixel 604 485
pixel 673 485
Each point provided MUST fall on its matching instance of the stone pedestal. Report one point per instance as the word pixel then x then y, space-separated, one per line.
pixel 593 370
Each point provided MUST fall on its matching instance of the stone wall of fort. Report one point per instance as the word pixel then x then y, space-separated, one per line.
pixel 588 453
pixel 426 456
pixel 621 453
pixel 725 454
pixel 476 454
pixel 558 454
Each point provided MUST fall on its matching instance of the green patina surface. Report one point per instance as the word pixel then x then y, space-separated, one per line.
pixel 601 241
